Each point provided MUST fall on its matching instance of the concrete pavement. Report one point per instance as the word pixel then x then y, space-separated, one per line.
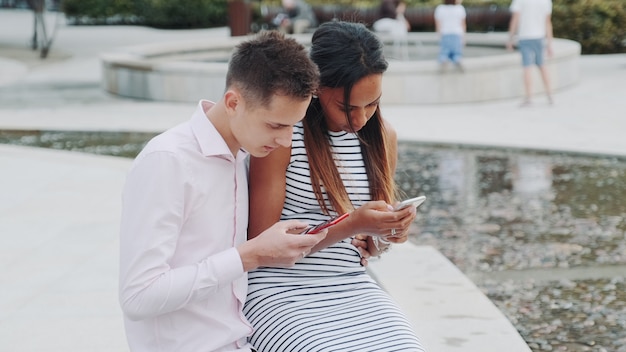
pixel 59 210
pixel 59 215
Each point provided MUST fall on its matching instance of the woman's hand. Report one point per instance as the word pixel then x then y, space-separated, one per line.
pixel 400 233
pixel 374 218
pixel 377 218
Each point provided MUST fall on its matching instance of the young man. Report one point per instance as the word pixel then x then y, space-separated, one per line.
pixel 532 21
pixel 183 249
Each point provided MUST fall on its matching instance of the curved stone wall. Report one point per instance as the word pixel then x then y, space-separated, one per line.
pixel 489 77
pixel 193 70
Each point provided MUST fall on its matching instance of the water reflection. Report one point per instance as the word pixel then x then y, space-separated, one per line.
pixel 517 210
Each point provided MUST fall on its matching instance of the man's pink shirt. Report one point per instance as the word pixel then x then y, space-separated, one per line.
pixel 185 208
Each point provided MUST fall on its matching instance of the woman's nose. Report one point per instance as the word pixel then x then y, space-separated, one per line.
pixel 359 119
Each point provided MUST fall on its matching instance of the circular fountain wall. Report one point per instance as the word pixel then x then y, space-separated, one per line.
pixel 192 70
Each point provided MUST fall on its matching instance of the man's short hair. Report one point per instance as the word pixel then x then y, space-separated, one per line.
pixel 271 64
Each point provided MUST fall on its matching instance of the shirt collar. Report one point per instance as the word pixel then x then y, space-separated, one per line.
pixel 210 140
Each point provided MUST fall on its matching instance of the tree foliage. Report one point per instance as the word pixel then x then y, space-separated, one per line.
pixel 154 13
pixel 598 25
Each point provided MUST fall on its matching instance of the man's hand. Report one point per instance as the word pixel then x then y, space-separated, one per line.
pixel 278 246
pixel 360 242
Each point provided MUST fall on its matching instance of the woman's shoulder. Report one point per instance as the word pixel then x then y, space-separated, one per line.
pixel 390 132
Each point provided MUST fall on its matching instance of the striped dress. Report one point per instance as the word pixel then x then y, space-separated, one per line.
pixel 327 301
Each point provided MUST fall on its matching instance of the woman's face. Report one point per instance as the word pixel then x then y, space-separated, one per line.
pixel 364 100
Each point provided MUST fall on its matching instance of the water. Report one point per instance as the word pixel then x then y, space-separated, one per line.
pixel 126 144
pixel 569 210
pixel 542 234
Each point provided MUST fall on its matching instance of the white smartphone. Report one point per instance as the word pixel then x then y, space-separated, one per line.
pixel 416 202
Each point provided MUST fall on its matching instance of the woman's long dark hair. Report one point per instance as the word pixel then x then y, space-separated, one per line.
pixel 345 53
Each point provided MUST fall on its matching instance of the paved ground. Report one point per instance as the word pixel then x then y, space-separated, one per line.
pixel 58 231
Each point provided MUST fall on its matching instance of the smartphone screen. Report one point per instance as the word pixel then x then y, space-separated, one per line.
pixel 328 223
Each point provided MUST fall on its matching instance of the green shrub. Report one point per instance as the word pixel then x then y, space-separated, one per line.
pixel 183 14
pixel 155 13
pixel 598 25
pixel 99 11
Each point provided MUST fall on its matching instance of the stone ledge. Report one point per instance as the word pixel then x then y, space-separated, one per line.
pixel 447 310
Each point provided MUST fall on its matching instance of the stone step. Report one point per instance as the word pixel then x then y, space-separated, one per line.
pixel 448 312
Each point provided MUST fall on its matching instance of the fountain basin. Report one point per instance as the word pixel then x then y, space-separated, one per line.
pixel 186 71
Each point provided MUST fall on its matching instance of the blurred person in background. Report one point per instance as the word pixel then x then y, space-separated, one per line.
pixel 451 26
pixel 391 18
pixel 297 17
pixel 531 20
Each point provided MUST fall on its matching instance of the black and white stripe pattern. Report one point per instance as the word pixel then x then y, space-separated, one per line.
pixel 327 301
pixel 300 202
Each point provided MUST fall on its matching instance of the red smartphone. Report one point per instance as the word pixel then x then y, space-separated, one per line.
pixel 328 223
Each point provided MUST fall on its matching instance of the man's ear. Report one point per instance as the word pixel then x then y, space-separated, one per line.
pixel 232 99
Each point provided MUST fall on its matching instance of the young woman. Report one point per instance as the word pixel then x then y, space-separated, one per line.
pixel 342 159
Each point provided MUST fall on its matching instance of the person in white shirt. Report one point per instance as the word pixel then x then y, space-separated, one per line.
pixel 296 18
pixel 532 21
pixel 183 249
pixel 391 18
pixel 451 26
